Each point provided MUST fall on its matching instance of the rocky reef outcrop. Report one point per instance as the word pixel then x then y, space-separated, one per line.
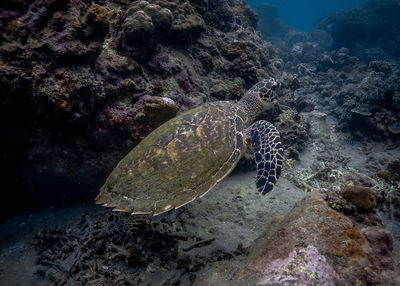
pixel 82 82
pixel 329 238
pixel 346 67
pixel 370 30
pixel 319 244
pixel 362 97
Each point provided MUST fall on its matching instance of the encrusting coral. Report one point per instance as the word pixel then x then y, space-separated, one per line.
pixel 164 19
pixel 144 20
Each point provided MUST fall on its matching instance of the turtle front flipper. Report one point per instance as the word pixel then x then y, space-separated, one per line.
pixel 268 153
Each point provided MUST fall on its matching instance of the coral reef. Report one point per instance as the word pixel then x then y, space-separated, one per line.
pixel 218 13
pixel 355 196
pixel 294 130
pixel 347 67
pixel 161 19
pixel 363 98
pixel 321 174
pixel 248 18
pixel 83 82
pixel 369 30
pixel 144 20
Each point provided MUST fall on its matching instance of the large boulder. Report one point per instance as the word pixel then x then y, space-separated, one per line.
pixel 315 244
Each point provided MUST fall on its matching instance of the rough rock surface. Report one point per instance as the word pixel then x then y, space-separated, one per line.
pixel 303 266
pixel 349 247
pixel 315 245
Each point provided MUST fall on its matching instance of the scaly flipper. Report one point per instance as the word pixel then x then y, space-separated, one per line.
pixel 268 153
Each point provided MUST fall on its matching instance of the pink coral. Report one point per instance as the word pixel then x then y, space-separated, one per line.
pixel 304 266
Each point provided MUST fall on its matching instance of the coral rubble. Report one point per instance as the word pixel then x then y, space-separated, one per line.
pixel 120 249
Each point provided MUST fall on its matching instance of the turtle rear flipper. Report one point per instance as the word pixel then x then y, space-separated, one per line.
pixel 268 153
pixel 121 203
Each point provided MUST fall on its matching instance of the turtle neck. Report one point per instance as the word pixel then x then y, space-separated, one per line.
pixel 250 106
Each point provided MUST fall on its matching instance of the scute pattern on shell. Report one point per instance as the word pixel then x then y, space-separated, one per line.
pixel 178 162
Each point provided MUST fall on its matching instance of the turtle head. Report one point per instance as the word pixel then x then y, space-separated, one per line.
pixel 266 89
pixel 259 98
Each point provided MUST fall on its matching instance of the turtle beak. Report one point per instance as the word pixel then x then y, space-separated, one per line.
pixel 275 86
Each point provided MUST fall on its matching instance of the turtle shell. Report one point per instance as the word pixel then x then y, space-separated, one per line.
pixel 178 162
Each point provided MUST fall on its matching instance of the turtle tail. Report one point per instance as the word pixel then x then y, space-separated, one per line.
pixel 122 203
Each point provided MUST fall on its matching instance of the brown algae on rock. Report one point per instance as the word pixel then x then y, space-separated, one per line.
pixel 362 197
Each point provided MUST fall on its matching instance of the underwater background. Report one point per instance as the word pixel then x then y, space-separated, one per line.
pixel 304 15
pixel 83 82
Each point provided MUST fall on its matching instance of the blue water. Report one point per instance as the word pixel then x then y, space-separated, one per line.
pixel 304 14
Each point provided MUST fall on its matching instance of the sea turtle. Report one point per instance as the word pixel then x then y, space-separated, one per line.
pixel 188 155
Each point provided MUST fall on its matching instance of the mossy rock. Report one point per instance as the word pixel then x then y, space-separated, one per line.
pixel 234 50
pixel 147 19
pixel 144 20
pixel 186 21
pixel 162 17
pixel 384 174
pixel 362 197
pixel 159 110
pixel 392 173
pixel 137 27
